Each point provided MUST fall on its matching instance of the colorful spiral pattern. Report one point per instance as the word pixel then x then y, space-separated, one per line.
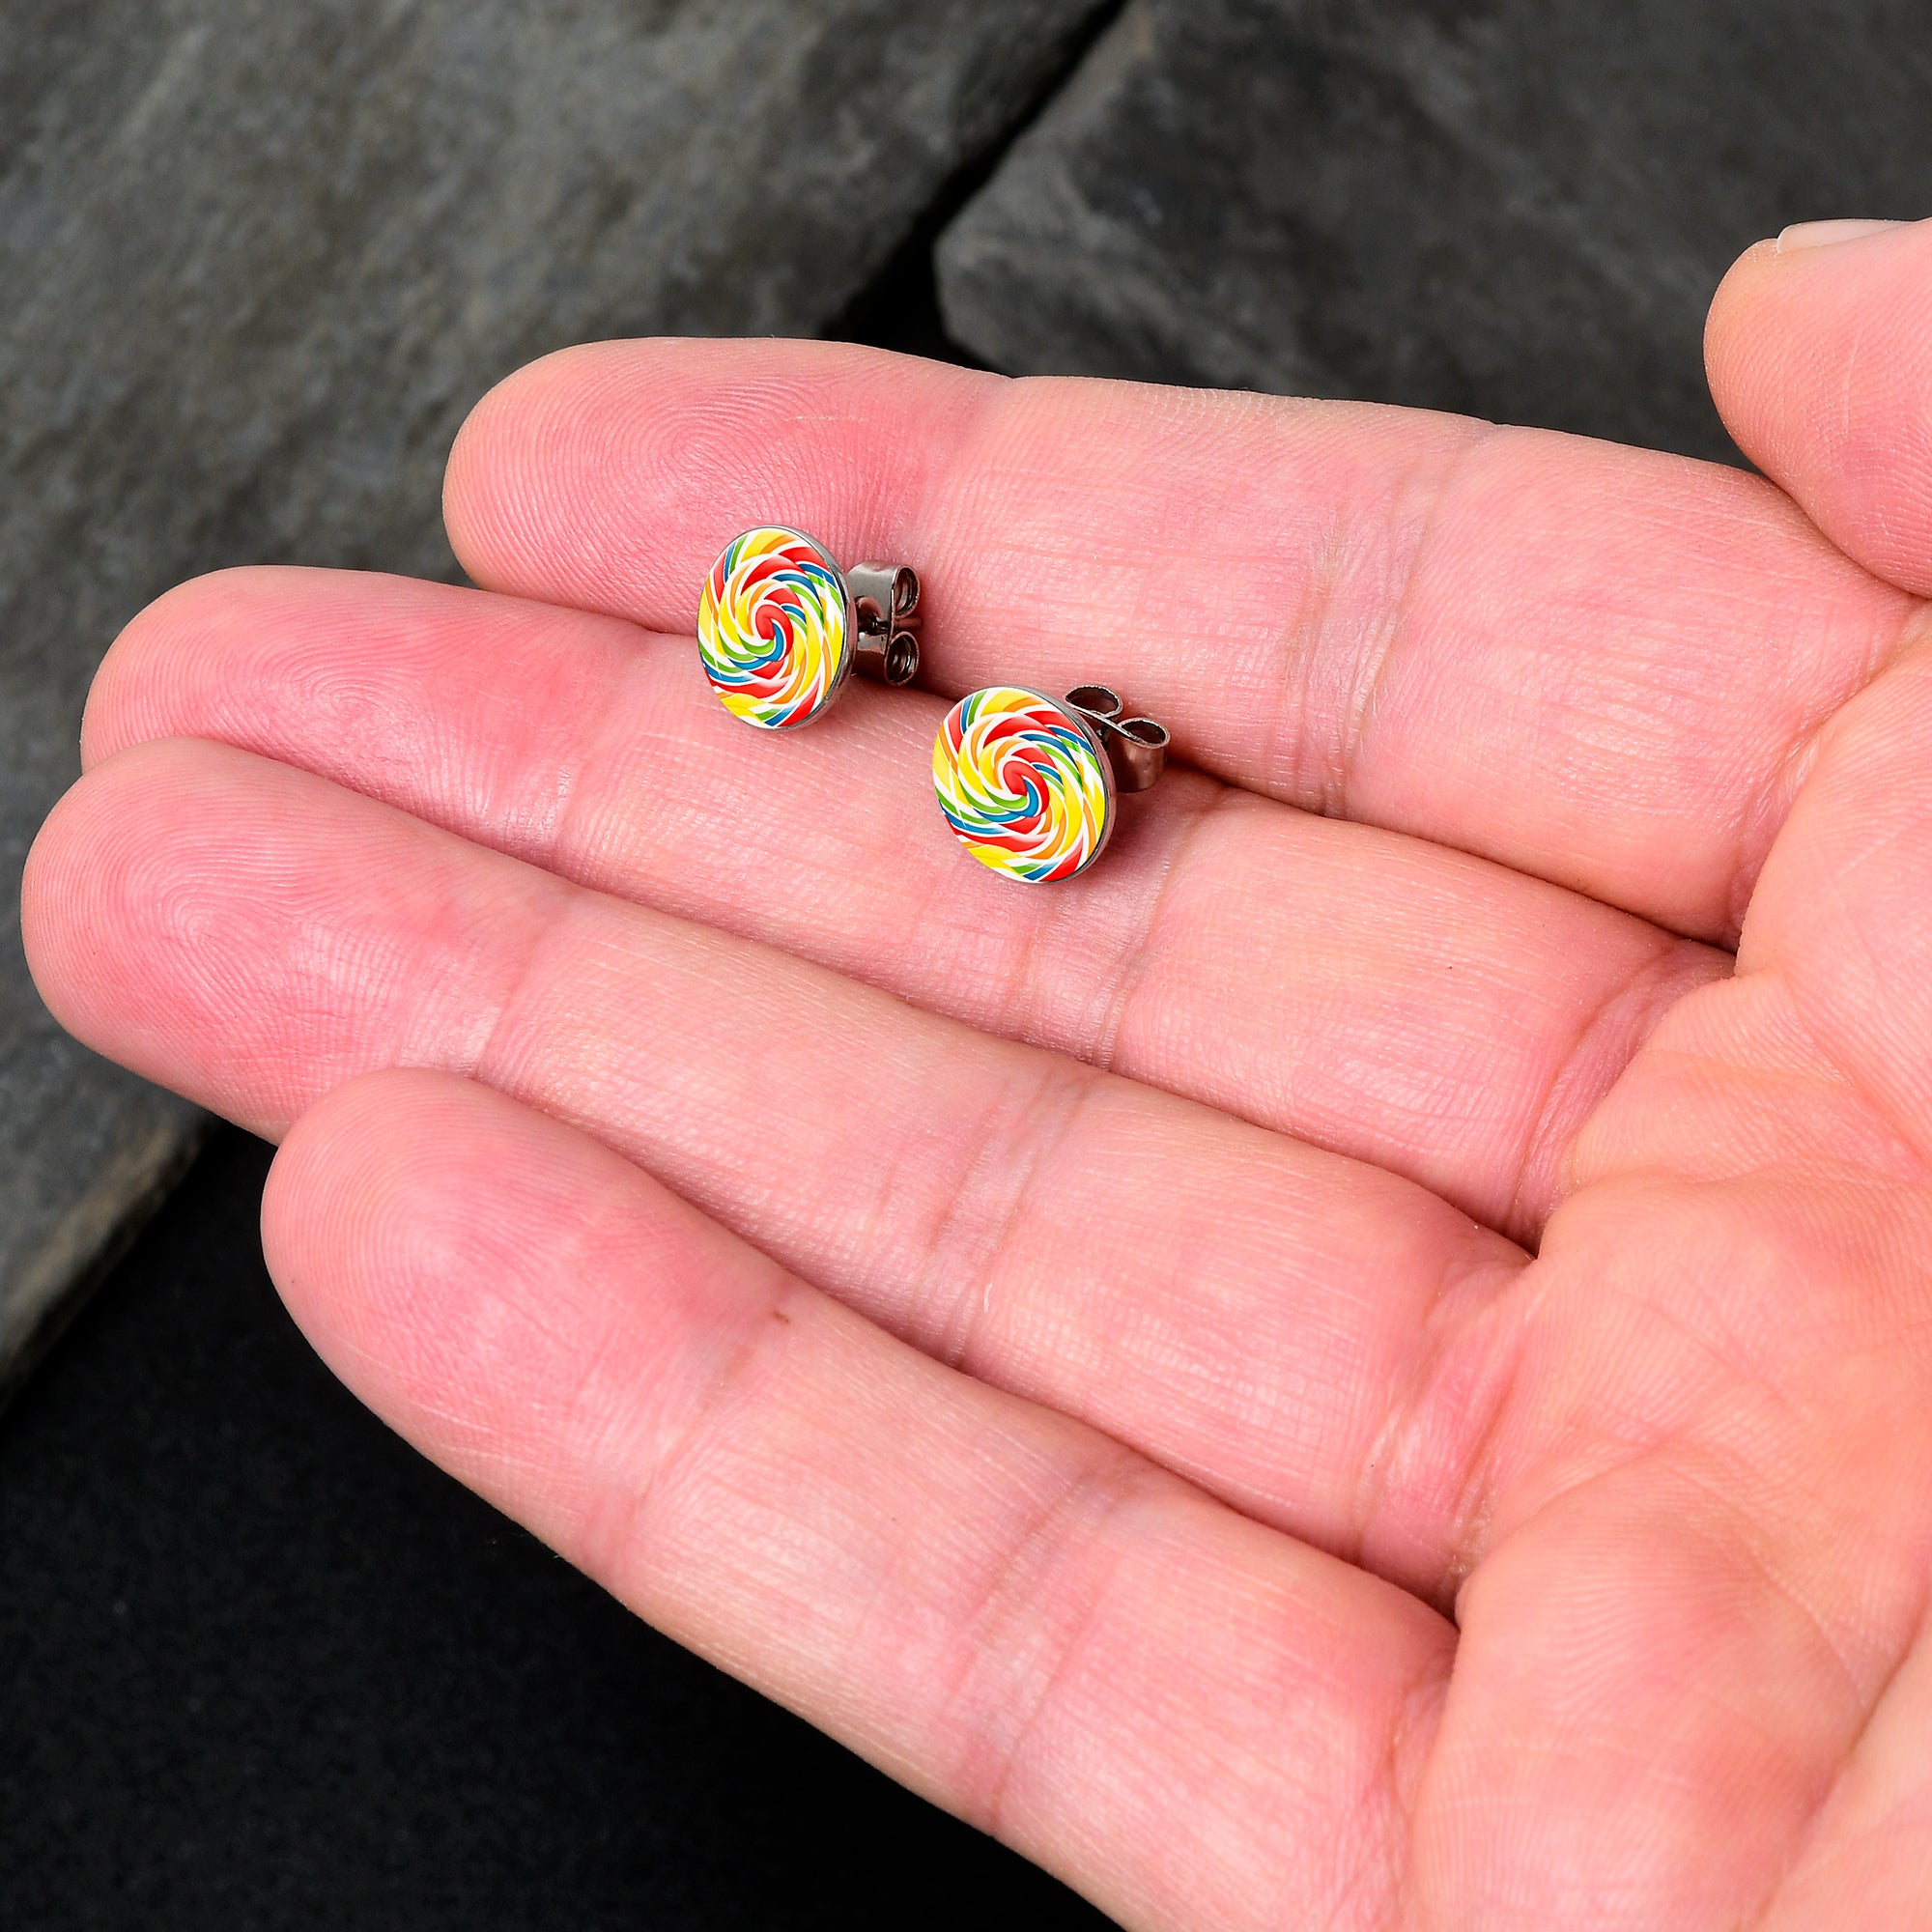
pixel 1022 784
pixel 773 628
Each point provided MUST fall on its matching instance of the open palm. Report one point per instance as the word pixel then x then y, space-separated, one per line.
pixel 1352 1366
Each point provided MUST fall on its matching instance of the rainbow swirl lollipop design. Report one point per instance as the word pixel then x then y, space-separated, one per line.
pixel 1023 784
pixel 775 628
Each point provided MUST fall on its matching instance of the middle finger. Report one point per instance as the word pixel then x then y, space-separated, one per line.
pixel 1370 993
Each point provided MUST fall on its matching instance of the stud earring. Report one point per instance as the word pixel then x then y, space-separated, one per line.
pixel 781 627
pixel 1028 782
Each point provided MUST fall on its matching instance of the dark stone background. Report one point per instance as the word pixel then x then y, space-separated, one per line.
pixel 266 1667
pixel 1514 208
pixel 260 1665
pixel 258 257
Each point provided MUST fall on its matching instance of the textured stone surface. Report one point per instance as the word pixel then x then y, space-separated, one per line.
pixel 257 259
pixel 1514 208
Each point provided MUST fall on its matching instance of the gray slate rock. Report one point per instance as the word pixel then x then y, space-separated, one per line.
pixel 1512 208
pixel 256 261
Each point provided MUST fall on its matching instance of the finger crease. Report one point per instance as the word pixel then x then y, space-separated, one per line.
pixel 1365 698
pixel 1042 1567
pixel 967 1249
pixel 492 1063
pixel 1769 801
pixel 765 1327
pixel 1136 957
pixel 1653 984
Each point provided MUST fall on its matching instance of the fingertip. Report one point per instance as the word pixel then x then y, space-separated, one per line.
pixel 607 476
pixel 172 652
pixel 192 918
pixel 495 1284
pixel 352 1204
pixel 1818 355
pixel 541 437
pixel 45 910
pixel 1735 294
pixel 1730 338
pixel 1780 287
pixel 111 718
pixel 398 1212
pixel 77 878
pixel 493 451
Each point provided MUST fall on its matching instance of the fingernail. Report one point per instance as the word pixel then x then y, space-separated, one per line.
pixel 1824 234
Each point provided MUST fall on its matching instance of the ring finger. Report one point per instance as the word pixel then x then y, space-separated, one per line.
pixel 1315 1340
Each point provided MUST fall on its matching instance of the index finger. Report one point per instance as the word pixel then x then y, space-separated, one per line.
pixel 1597 664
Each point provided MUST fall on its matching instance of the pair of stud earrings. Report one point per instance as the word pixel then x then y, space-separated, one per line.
pixel 1029 783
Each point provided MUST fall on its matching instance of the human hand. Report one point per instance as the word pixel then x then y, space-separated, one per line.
pixel 1342 1368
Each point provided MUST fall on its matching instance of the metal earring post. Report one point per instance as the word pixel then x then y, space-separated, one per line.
pixel 1136 746
pixel 885 598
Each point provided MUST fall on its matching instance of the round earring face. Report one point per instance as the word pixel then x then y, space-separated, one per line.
pixel 1023 784
pixel 775 628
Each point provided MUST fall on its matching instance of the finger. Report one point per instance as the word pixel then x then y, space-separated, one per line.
pixel 1872 1844
pixel 1651 1709
pixel 1189 1718
pixel 1820 353
pixel 1704 1566
pixel 1844 920
pixel 1367 992
pixel 1318 1342
pixel 1591 663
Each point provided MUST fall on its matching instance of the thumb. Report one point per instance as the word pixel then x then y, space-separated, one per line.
pixel 1819 348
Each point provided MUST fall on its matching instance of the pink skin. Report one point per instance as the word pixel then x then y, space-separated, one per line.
pixel 1355 1369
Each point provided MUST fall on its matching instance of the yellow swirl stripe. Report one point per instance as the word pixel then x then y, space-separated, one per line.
pixel 772 627
pixel 1022 784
